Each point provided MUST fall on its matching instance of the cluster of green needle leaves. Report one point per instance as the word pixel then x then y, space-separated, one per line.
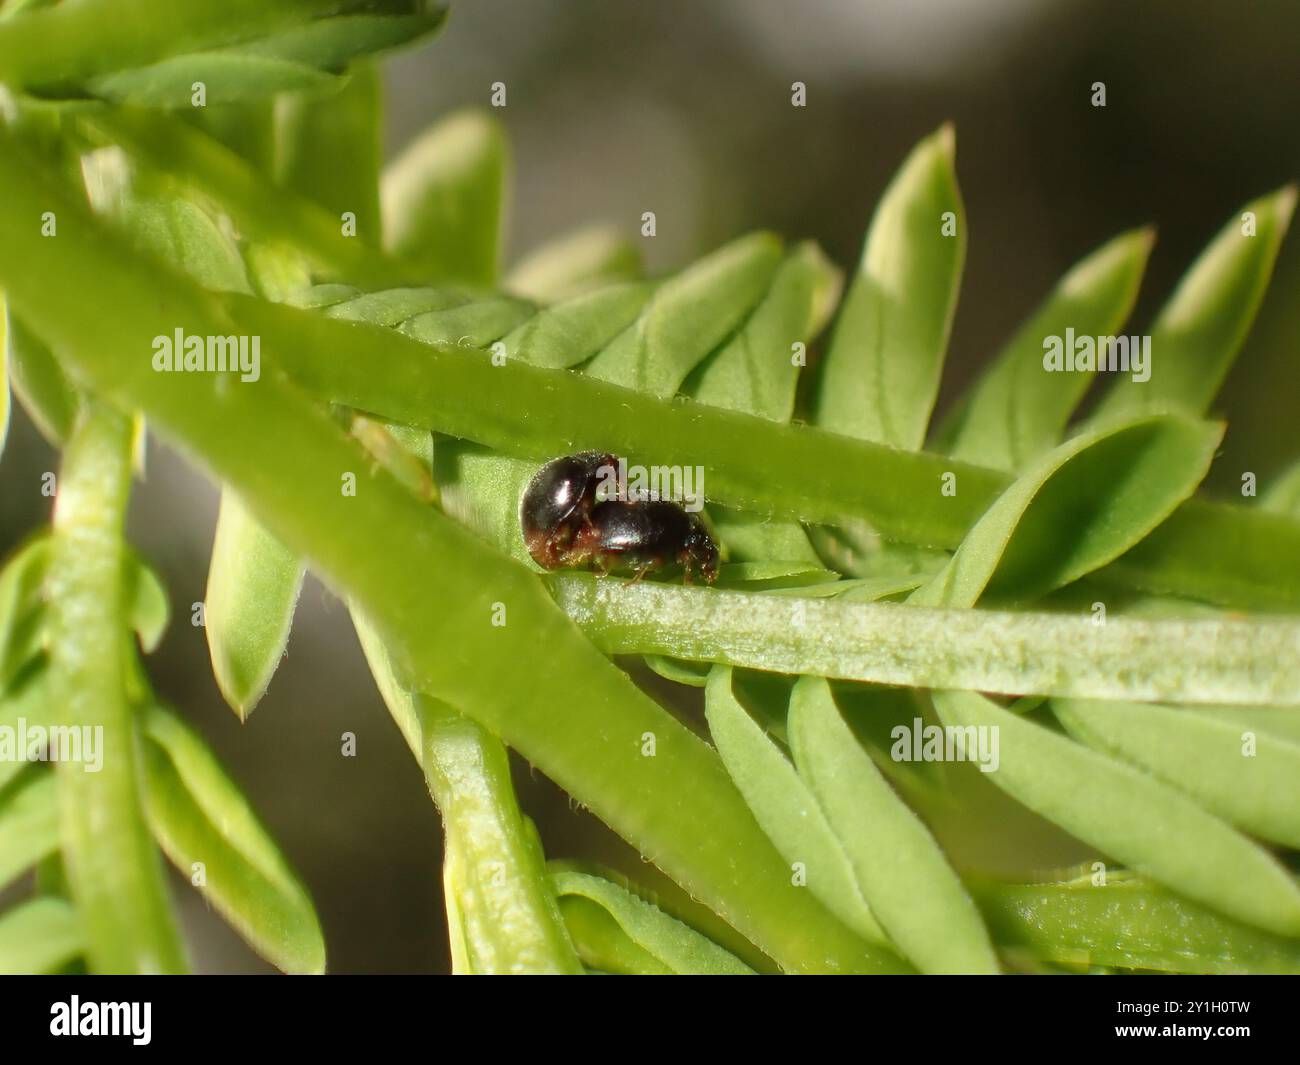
pixel 880 570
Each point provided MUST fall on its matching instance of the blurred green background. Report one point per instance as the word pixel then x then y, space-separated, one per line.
pixel 617 107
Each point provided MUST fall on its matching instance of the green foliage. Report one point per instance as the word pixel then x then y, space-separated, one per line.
pixel 899 867
pixel 882 370
pixel 1076 508
pixel 401 357
pixel 1015 412
pixel 443 198
pixel 1127 923
pixel 206 827
pixel 616 931
pixel 253 587
pixel 1127 814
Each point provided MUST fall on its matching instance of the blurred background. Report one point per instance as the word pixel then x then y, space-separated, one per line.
pixel 616 107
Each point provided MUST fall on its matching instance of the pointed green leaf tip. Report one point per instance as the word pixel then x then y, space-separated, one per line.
pixel 1246 776
pixel 1202 327
pixel 783 805
pixel 39 936
pixel 1018 410
pixel 881 373
pixel 1078 507
pixel 443 199
pixel 899 868
pixel 690 315
pixel 620 932
pixel 253 586
pixel 198 814
pixel 1131 817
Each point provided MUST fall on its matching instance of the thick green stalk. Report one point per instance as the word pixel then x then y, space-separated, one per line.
pixel 789 471
pixel 1207 661
pixel 508 916
pixel 112 865
pixel 432 587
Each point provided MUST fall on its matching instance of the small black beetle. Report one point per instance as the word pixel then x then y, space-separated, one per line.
pixel 647 536
pixel 566 524
pixel 557 504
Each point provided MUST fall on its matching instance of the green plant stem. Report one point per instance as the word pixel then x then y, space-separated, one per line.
pixel 509 919
pixel 430 585
pixel 1015 653
pixel 788 471
pixel 113 868
pixel 784 471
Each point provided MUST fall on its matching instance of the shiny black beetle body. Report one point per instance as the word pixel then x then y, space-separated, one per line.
pixel 647 536
pixel 557 505
pixel 565 524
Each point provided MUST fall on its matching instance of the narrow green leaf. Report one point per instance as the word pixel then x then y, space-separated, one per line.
pixel 474 325
pixel 279 272
pixel 1078 507
pixel 65 43
pixel 757 370
pixel 899 868
pixel 1254 783
pixel 784 806
pixel 23 708
pixel 22 616
pixel 592 257
pixel 602 945
pixel 442 199
pixel 201 819
pixel 398 699
pixel 328 149
pixel 688 316
pixel 504 906
pixel 1017 409
pixel 568 333
pixel 1129 923
pixel 676 946
pixel 113 868
pixel 748 537
pixel 772 575
pixel 881 372
pixel 679 809
pixel 187 238
pixel 40 383
pixel 253 586
pixel 1204 661
pixel 39 936
pixel 1276 721
pixel 1132 817
pixel 320 297
pixel 1203 325
pixel 331 43
pixel 389 307
pixel 262 211
pixel 29 824
pixel 692 674
pixel 229 77
pixel 24 621
pixel 147 603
